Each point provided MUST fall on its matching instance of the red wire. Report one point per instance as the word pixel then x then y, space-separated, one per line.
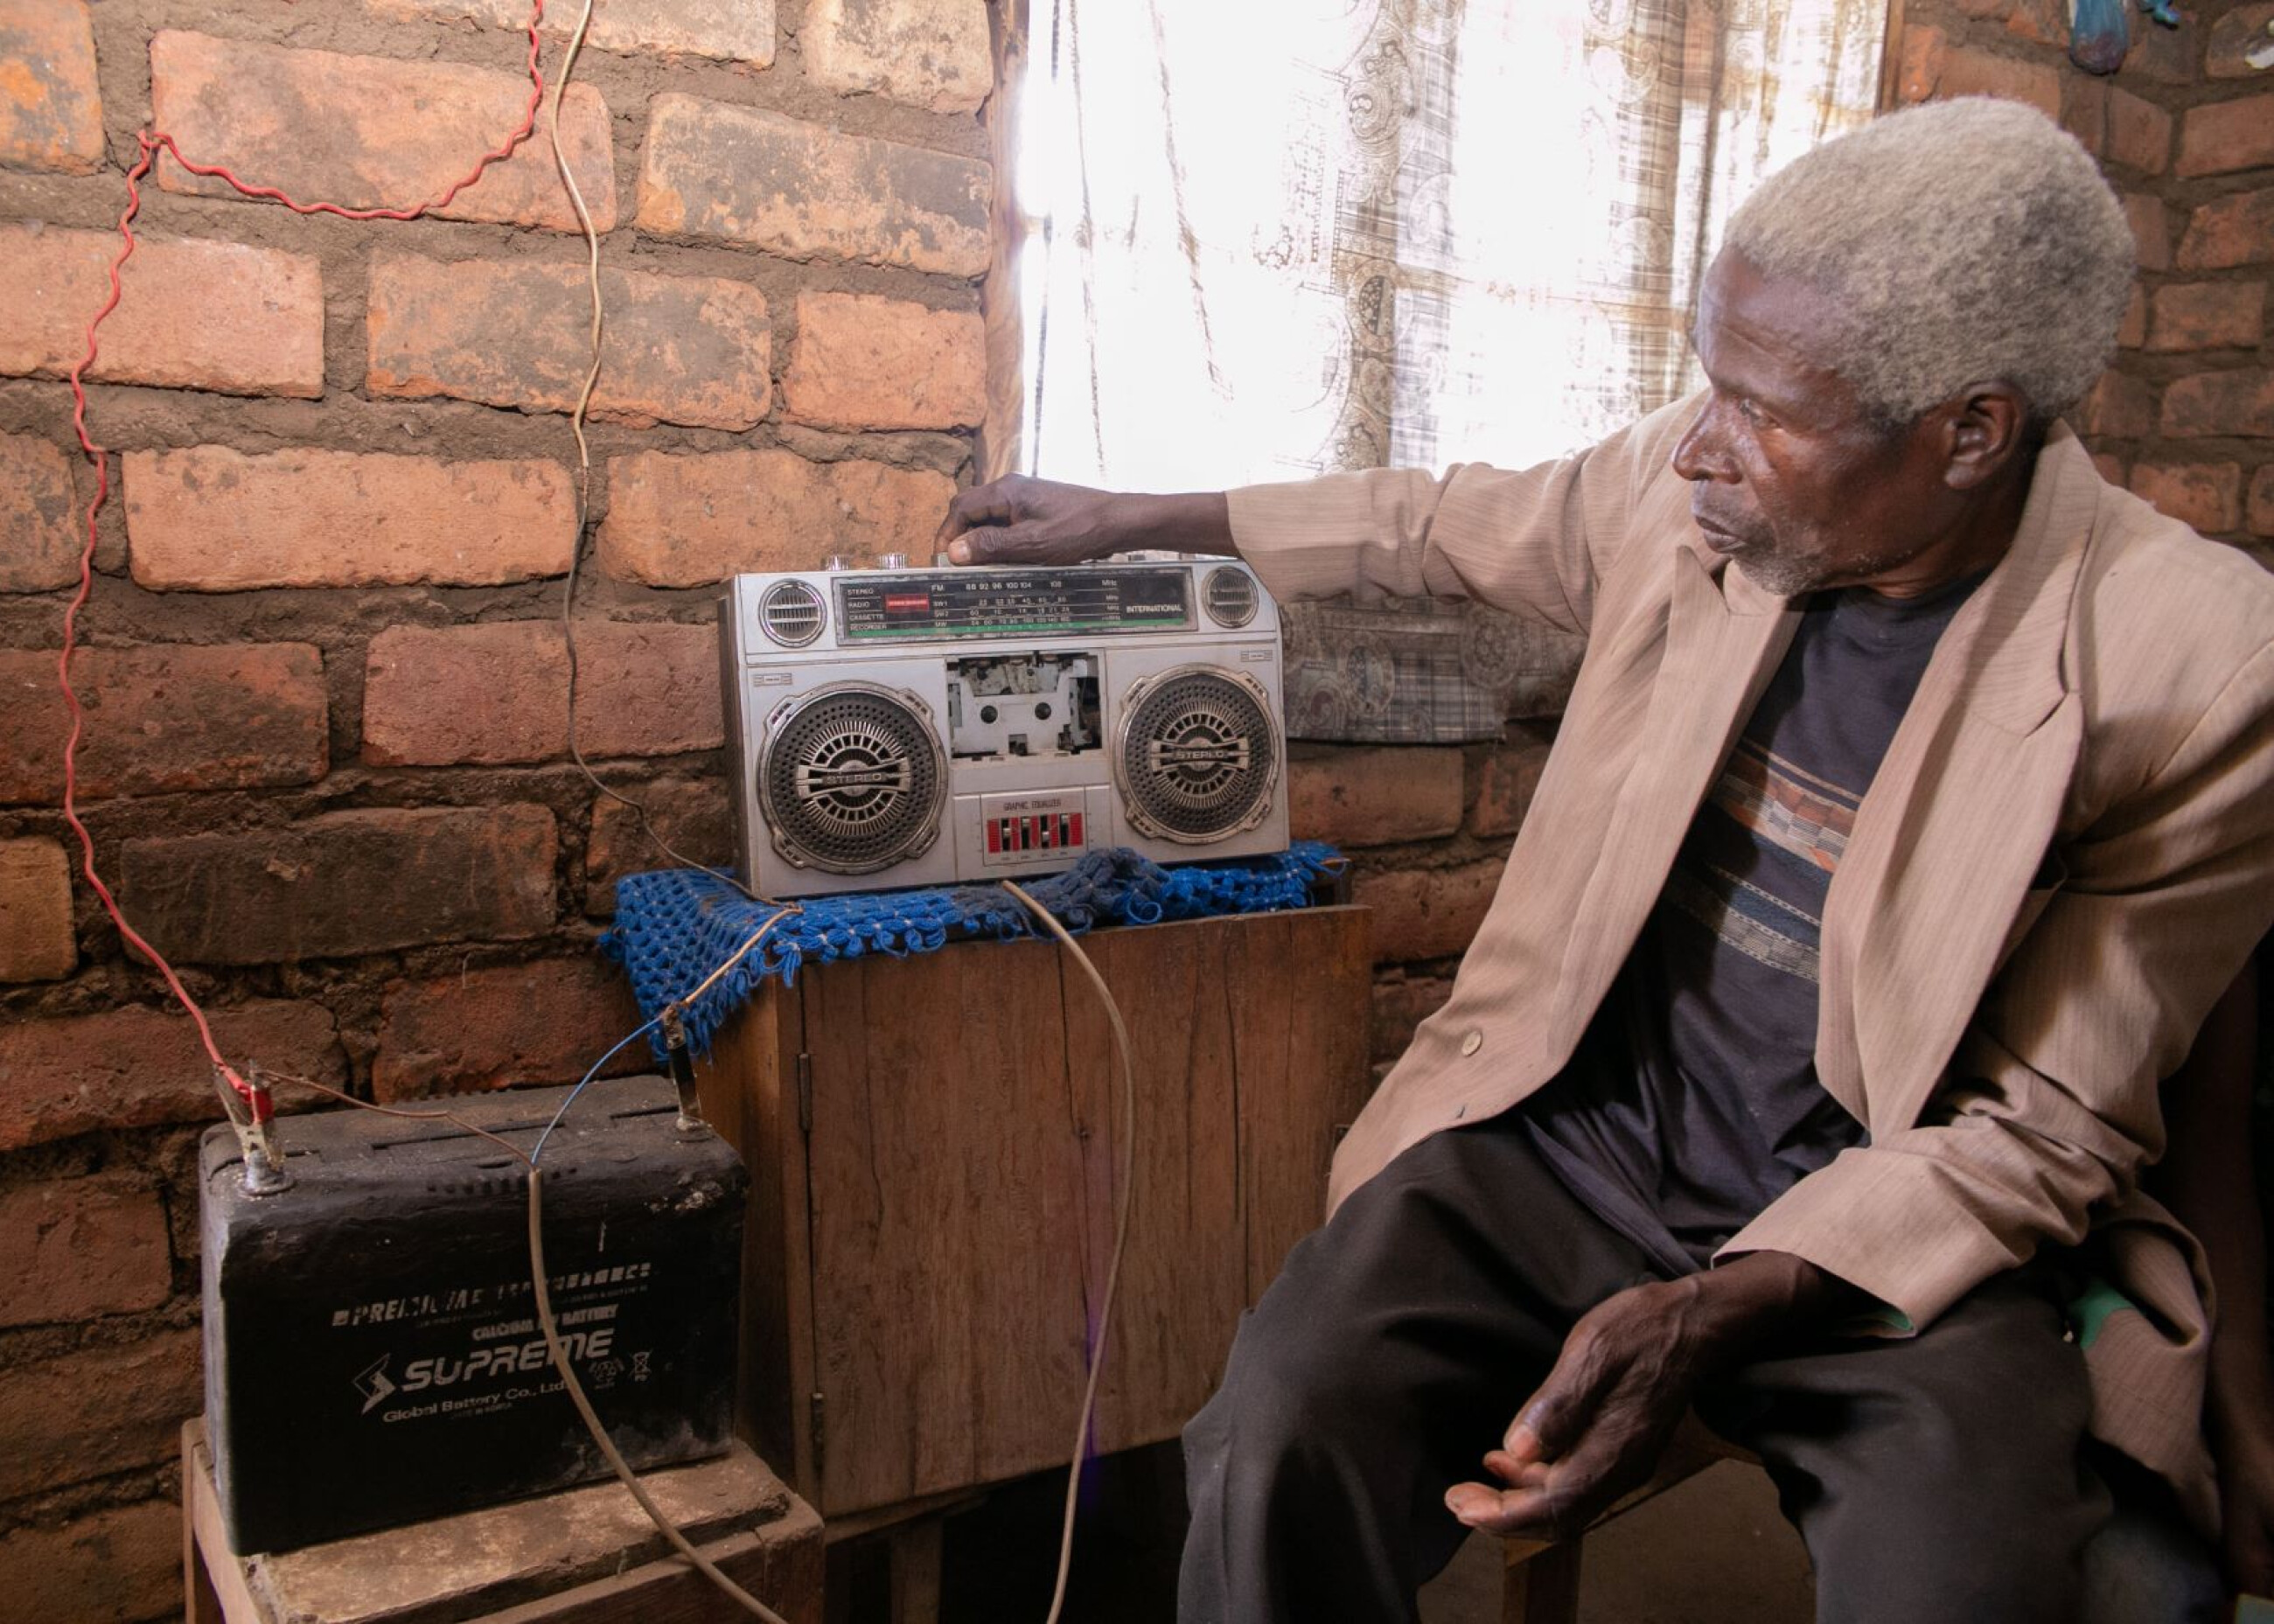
pixel 151 142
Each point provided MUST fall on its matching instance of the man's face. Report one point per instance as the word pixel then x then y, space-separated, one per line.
pixel 1790 477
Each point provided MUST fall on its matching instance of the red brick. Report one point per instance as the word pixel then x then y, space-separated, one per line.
pixel 2207 495
pixel 2041 22
pixel 443 696
pixel 2223 136
pixel 1926 53
pixel 689 519
pixel 2232 230
pixel 79 1248
pixel 1954 70
pixel 36 940
pixel 708 169
pixel 136 1068
pixel 2208 315
pixel 2261 514
pixel 696 349
pixel 2152 230
pixel 691 815
pixel 110 1567
pixel 931 53
pixel 393 134
pixel 2234 35
pixel 735 31
pixel 40 534
pixel 2120 407
pixel 96 1412
pixel 344 883
pixel 1374 797
pixel 2085 110
pixel 1511 773
pixel 1427 913
pixel 191 314
pixel 214 520
pixel 163 716
pixel 50 110
pixel 2133 332
pixel 2212 404
pixel 545 1022
pixel 1401 1003
pixel 865 362
pixel 2138 131
pixel 2162 55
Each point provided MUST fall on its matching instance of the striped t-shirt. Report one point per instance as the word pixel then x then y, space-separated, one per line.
pixel 1693 1102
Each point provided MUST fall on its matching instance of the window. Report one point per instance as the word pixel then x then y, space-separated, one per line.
pixel 1276 238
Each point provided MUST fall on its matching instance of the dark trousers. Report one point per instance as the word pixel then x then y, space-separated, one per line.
pixel 1942 1476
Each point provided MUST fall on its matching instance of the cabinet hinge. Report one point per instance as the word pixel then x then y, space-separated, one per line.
pixel 805 1094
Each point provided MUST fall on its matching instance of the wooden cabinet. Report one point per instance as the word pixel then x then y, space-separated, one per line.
pixel 933 1143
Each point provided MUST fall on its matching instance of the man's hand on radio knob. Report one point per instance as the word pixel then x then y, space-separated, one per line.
pixel 1017 519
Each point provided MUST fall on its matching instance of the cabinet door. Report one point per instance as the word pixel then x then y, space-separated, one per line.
pixel 964 1161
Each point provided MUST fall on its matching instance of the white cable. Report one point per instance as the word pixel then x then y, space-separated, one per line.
pixel 1120 1235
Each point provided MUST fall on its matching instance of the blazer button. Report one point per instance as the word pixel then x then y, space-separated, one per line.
pixel 1472 1040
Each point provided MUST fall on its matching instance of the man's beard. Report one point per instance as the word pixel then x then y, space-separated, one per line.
pixel 1788 575
pixel 1780 574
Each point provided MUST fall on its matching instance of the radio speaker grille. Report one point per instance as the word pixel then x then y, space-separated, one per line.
pixel 1197 754
pixel 852 778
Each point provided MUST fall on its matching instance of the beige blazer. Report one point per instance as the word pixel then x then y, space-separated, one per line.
pixel 2065 858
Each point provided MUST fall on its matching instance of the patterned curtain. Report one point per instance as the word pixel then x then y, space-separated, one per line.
pixel 1267 239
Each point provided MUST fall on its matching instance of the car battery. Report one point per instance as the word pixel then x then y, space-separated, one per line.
pixel 372 1353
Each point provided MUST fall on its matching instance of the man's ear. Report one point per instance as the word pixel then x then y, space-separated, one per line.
pixel 1986 425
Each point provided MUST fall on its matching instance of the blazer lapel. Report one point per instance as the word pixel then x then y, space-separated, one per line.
pixel 1959 817
pixel 1724 637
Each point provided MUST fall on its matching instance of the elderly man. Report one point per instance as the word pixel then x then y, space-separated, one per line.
pixel 1914 803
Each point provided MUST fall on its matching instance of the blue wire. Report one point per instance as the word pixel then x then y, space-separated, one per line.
pixel 579 1088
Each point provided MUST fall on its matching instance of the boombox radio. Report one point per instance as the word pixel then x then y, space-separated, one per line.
pixel 896 726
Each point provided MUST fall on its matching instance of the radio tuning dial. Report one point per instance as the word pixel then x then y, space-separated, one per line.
pixel 1229 595
pixel 837 560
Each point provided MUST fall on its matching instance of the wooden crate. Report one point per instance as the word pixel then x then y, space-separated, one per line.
pixel 933 1143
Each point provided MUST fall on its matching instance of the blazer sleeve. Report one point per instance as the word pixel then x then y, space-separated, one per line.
pixel 1533 541
pixel 2052 1109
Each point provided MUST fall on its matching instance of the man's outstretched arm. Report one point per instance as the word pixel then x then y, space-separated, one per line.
pixel 1017 519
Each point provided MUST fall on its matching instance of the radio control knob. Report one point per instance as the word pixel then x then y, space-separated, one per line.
pixel 838 560
pixel 890 560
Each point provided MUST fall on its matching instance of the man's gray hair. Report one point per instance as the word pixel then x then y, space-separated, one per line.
pixel 1964 242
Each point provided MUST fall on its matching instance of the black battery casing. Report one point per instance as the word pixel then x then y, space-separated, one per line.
pixel 371 1350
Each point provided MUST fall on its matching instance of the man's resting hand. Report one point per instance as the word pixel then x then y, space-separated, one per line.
pixel 1597 1425
pixel 1017 519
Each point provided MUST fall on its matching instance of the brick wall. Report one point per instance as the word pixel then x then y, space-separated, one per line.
pixel 325 766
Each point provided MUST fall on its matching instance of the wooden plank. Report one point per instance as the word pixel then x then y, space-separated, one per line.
pixel 224 1574
pixel 1180 1290
pixel 947 1302
pixel 780 1565
pixel 915 1571
pixel 1302 1004
pixel 750 1095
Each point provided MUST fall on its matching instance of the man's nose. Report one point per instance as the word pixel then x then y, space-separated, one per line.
pixel 1700 453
